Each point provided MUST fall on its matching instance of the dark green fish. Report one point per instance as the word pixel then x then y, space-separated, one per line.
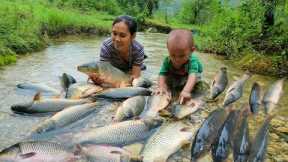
pixel 222 144
pixel 122 93
pixel 254 99
pixel 240 141
pixel 259 145
pixel 207 133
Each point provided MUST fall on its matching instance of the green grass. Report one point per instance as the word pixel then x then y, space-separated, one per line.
pixel 25 26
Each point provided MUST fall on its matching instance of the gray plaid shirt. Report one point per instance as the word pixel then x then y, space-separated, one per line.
pixel 109 53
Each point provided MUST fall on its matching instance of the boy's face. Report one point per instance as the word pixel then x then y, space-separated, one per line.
pixel 178 56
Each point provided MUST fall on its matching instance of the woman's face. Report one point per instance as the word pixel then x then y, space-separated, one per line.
pixel 121 36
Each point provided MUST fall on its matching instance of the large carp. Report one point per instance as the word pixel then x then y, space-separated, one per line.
pixel 45 105
pixel 130 108
pixel 168 139
pixel 118 134
pixel 235 91
pixel 106 72
pixel 207 133
pixel 111 75
pixel 65 117
pixel 37 152
pixel 219 83
pixel 272 95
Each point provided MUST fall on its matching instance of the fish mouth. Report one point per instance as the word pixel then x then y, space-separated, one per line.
pixel 21 108
pixel 91 67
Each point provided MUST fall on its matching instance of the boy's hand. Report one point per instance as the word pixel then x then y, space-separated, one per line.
pixel 184 96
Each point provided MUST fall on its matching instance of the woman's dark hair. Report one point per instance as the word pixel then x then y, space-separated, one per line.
pixel 129 21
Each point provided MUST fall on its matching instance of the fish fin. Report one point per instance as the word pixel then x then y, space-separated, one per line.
pixel 185 144
pixel 27 155
pixel 136 159
pixel 230 89
pixel 37 96
pixel 116 152
pixel 136 118
pixel 78 149
pixel 165 113
pixel 185 129
pixel 213 82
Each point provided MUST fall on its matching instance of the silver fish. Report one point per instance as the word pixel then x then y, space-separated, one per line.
pixel 272 95
pixel 122 93
pixel 181 111
pixel 130 108
pixel 235 90
pixel 45 105
pixel 39 87
pixel 219 83
pixel 155 104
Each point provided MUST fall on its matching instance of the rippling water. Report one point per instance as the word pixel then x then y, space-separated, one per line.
pixel 63 55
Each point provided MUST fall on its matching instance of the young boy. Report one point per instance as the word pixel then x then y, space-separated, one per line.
pixel 182 68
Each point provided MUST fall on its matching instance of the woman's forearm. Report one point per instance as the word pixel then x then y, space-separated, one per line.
pixel 136 72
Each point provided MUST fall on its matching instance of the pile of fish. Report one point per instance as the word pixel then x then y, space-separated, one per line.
pixel 227 127
pixel 160 125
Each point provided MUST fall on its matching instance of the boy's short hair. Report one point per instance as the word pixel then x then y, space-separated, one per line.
pixel 182 37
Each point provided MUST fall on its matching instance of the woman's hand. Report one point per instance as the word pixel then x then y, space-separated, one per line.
pixel 95 79
pixel 184 96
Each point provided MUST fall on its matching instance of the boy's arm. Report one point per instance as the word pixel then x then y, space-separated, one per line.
pixel 186 91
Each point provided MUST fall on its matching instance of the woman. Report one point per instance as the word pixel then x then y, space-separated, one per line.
pixel 121 49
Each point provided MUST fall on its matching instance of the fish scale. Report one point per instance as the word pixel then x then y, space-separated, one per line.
pixel 122 133
pixel 168 136
pixel 65 117
pixel 37 151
